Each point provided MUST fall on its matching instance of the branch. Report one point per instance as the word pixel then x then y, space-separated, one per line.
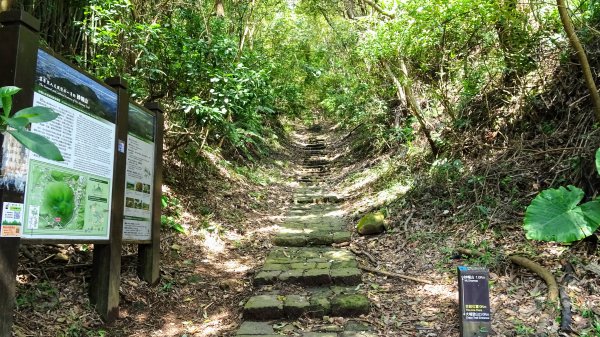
pixel 380 10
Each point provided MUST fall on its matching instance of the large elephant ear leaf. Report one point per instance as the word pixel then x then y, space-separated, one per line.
pixel 554 215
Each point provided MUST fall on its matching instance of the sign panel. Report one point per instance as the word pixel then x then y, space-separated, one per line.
pixel 71 199
pixel 12 220
pixel 474 298
pixel 139 185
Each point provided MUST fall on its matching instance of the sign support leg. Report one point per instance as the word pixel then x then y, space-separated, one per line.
pixel 149 254
pixel 19 34
pixel 106 268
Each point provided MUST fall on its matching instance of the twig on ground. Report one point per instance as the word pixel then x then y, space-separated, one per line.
pixel 387 273
pixel 565 301
pixel 361 252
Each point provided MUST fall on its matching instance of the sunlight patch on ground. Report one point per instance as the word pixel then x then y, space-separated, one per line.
pixel 214 325
pixel 213 243
pixel 440 290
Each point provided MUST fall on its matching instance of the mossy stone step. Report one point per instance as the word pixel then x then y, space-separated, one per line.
pixel 314 238
pixel 317 304
pixel 309 268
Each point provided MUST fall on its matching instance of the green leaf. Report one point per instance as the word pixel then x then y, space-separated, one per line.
pixel 9 91
pixel 37 114
pixel 16 122
pixel 38 144
pixel 554 216
pixel 6 94
pixel 6 104
pixel 598 160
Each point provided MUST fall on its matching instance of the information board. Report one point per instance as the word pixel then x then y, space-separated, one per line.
pixel 139 185
pixel 71 199
pixel 474 300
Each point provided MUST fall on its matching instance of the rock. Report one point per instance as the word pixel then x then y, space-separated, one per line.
pixel 317 276
pixel 371 223
pixel 340 237
pixel 290 240
pixel 264 307
pixel 346 276
pixel 349 305
pixel 295 305
pixel 255 328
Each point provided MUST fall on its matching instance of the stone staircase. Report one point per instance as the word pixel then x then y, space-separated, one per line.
pixel 303 276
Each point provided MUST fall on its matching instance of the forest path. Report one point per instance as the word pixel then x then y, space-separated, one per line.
pixel 304 276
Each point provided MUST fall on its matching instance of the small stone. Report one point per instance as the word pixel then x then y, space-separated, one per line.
pixel 255 328
pixel 371 223
pixel 264 307
pixel 266 277
pixel 346 276
pixel 350 305
pixel 295 305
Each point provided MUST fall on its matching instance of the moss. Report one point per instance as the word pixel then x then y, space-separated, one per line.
pixel 371 223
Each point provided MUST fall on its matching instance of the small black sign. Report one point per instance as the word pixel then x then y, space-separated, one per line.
pixel 474 298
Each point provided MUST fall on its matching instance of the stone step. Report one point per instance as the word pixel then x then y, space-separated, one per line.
pixel 309 266
pixel 315 238
pixel 316 302
pixel 273 329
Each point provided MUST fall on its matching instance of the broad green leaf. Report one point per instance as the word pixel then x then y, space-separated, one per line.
pixel 16 122
pixel 554 216
pixel 38 144
pixel 6 94
pixel 37 114
pixel 9 91
pixel 598 160
pixel 6 104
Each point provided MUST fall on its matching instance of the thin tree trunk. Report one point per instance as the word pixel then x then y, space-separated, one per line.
pixel 405 94
pixel 219 9
pixel 585 66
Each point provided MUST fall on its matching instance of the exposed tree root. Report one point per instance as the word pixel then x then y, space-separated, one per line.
pixel 527 263
pixel 387 273
pixel 565 301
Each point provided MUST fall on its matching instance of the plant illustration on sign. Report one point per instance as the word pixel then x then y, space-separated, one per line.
pixel 21 119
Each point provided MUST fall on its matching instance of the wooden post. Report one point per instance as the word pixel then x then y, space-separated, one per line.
pixel 149 254
pixel 106 268
pixel 19 34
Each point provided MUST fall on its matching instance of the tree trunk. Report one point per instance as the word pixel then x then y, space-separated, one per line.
pixel 405 94
pixel 585 66
pixel 219 9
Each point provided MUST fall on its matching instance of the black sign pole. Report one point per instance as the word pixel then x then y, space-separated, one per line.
pixel 106 268
pixel 474 301
pixel 149 254
pixel 19 33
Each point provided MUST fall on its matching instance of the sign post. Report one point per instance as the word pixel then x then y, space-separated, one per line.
pixel 106 268
pixel 19 33
pixel 474 301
